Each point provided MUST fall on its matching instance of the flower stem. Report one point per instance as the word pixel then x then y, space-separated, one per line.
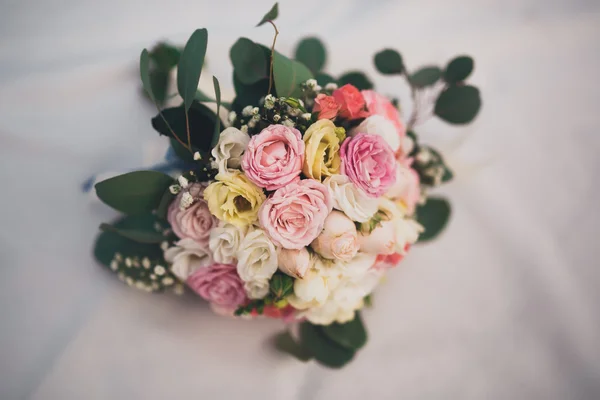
pixel 272 57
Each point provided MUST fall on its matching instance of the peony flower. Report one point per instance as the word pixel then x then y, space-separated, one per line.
pixel 233 198
pixel 294 215
pixel 186 257
pixel 381 240
pixel 194 222
pixel 347 197
pixel 338 240
pixel 224 242
pixel 294 263
pixel 407 186
pixel 219 284
pixel 230 148
pixel 357 267
pixel 274 157
pixel 257 289
pixel 326 106
pixel 379 125
pixel 378 104
pixel 322 156
pixel 351 102
pixel 311 291
pixel 369 162
pixel 257 257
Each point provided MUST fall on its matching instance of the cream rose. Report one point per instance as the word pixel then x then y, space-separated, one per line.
pixel 347 197
pixel 186 257
pixel 257 289
pixel 338 240
pixel 229 150
pixel 257 257
pixel 381 240
pixel 322 152
pixel 224 242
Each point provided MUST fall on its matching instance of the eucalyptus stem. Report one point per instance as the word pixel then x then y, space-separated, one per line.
pixel 272 56
pixel 171 129
pixel 187 126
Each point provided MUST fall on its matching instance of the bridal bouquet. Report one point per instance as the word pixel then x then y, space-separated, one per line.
pixel 299 203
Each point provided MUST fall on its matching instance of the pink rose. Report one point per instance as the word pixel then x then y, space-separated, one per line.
pixel 295 214
pixel 407 187
pixel 351 102
pixel 378 104
pixel 369 162
pixel 274 157
pixel 194 222
pixel 326 106
pixel 219 284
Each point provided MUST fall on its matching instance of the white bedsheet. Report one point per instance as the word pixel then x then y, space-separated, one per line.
pixel 505 305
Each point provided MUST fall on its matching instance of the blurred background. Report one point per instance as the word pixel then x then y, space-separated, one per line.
pixel 504 305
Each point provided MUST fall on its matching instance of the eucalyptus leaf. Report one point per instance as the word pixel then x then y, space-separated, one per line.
pixel 136 192
pixel 323 78
pixel 190 66
pixel 217 131
pixel 351 335
pixel 159 81
pixel 249 62
pixel 247 95
pixel 458 104
pixel 288 75
pixel 271 15
pixel 145 74
pixel 357 79
pixel 458 69
pixel 311 52
pixel 137 235
pixel 163 206
pixel 434 216
pixel 425 76
pixel 285 343
pixel 389 62
pixel 323 349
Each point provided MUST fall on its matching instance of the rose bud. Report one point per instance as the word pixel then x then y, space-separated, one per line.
pixel 338 240
pixel 381 240
pixel 293 262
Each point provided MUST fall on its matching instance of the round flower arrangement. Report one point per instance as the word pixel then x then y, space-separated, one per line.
pixel 296 207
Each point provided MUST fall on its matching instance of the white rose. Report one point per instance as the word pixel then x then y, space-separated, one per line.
pixel 230 148
pixel 350 199
pixel 312 290
pixel 294 263
pixel 381 240
pixel 257 289
pixel 381 126
pixel 407 232
pixel 338 240
pixel 186 257
pixel 224 242
pixel 357 267
pixel 257 257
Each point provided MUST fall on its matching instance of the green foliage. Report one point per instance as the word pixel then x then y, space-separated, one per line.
pixel 137 235
pixel 281 285
pixel 357 79
pixel 434 216
pixel 190 66
pixel 145 74
pixel 136 192
pixel 389 62
pixel 458 69
pixel 351 335
pixel 285 343
pixel 217 131
pixel 202 121
pixel 165 202
pixel 323 349
pixel 249 61
pixel 425 76
pixel 271 15
pixel 155 68
pixel 324 78
pixel 458 104
pixel 248 95
pixel 311 52
pixel 288 75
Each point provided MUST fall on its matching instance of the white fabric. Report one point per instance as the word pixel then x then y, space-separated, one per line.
pixel 505 305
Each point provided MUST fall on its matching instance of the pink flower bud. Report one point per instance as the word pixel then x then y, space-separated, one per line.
pixel 294 263
pixel 338 240
pixel 382 240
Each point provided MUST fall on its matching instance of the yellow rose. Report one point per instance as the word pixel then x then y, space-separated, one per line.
pixel 234 199
pixel 322 150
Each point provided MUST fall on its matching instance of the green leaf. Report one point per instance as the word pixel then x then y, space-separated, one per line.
pixel 425 76
pixel 323 78
pixel 271 15
pixel 190 66
pixel 159 80
pixel 311 52
pixel 458 104
pixel 137 235
pixel 458 69
pixel 323 349
pixel 281 285
pixel 145 74
pixel 389 62
pixel 249 61
pixel 165 202
pixel 289 74
pixel 351 335
pixel 434 216
pixel 217 131
pixel 285 343
pixel 136 192
pixel 248 95
pixel 357 79
pixel 202 122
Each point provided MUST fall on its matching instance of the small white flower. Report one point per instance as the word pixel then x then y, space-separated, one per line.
pixel 153 277
pixel 164 245
pixel 276 118
pixel 251 123
pixel 269 101
pixel 159 270
pixel 174 189
pixel 114 265
pixel 255 110
pixel 140 285
pixel 257 289
pixel 317 88
pixel 128 262
pixel 224 242
pixel 311 83
pixel 183 181
pixel 247 111
pixel 231 117
pixel 289 123
pixel 146 262
pixel 231 147
pixel 168 281
pixel 118 257
pixel 347 197
pixel 424 156
pixel 307 116
pixel 257 257
pixel 331 86
pixel 186 200
pixel 244 128
pixel 197 156
pixel 186 257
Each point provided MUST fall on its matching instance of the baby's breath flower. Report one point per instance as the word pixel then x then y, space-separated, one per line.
pixel 146 262
pixel 114 265
pixel 168 281
pixel 186 201
pixel 128 262
pixel 289 123
pixel 311 83
pixel 247 111
pixel 307 116
pixel 159 270
pixel 331 86
pixel 174 189
pixel 232 116
pixel 118 257
pixel 244 128
pixel 183 182
pixel 276 118
pixel 317 88
pixel 251 123
pixel 164 245
pixel 197 156
pixel 255 110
